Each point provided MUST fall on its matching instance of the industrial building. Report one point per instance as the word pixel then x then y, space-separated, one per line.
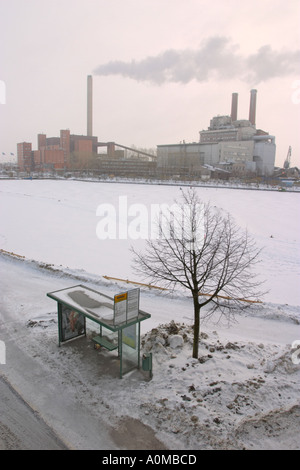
pixel 228 146
pixel 55 152
pixel 70 152
pixel 24 152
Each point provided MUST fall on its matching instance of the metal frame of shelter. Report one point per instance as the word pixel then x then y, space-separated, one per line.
pixel 119 316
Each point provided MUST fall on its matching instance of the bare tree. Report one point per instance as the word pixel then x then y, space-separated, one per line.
pixel 201 249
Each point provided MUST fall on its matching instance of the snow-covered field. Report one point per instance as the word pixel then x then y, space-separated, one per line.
pixel 56 222
pixel 242 391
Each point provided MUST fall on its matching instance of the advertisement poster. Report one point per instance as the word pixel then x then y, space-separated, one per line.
pixel 129 336
pixel 73 324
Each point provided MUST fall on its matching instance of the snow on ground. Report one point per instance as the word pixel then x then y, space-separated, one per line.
pixel 242 391
pixel 55 222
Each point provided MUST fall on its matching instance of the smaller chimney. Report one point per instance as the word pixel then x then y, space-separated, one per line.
pixel 252 110
pixel 90 105
pixel 234 106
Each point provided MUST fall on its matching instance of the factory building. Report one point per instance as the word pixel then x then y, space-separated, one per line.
pixel 55 152
pixel 24 152
pixel 229 144
pixel 264 154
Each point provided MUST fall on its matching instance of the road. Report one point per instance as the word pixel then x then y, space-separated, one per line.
pixel 21 428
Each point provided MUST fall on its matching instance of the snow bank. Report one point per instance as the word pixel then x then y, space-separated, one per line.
pixel 217 401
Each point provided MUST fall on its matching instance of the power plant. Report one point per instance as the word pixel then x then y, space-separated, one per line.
pixel 228 147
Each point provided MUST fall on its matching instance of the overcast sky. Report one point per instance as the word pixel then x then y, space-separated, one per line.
pixel 161 68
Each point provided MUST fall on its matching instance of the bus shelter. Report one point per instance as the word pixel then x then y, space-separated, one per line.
pixel 118 317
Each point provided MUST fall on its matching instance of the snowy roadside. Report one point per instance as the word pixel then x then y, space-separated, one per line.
pixel 242 391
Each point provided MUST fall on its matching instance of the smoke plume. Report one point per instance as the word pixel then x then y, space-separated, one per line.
pixel 217 58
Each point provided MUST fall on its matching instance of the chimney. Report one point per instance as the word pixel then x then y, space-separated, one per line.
pixel 234 106
pixel 90 105
pixel 252 110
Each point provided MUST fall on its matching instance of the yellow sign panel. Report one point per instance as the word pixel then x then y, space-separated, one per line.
pixel 121 297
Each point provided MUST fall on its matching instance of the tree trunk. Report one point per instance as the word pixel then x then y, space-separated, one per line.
pixel 196 325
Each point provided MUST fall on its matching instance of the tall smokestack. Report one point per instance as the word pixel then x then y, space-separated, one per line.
pixel 234 106
pixel 89 105
pixel 252 110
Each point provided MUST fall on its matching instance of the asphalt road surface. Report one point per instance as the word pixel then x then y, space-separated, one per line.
pixel 21 428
